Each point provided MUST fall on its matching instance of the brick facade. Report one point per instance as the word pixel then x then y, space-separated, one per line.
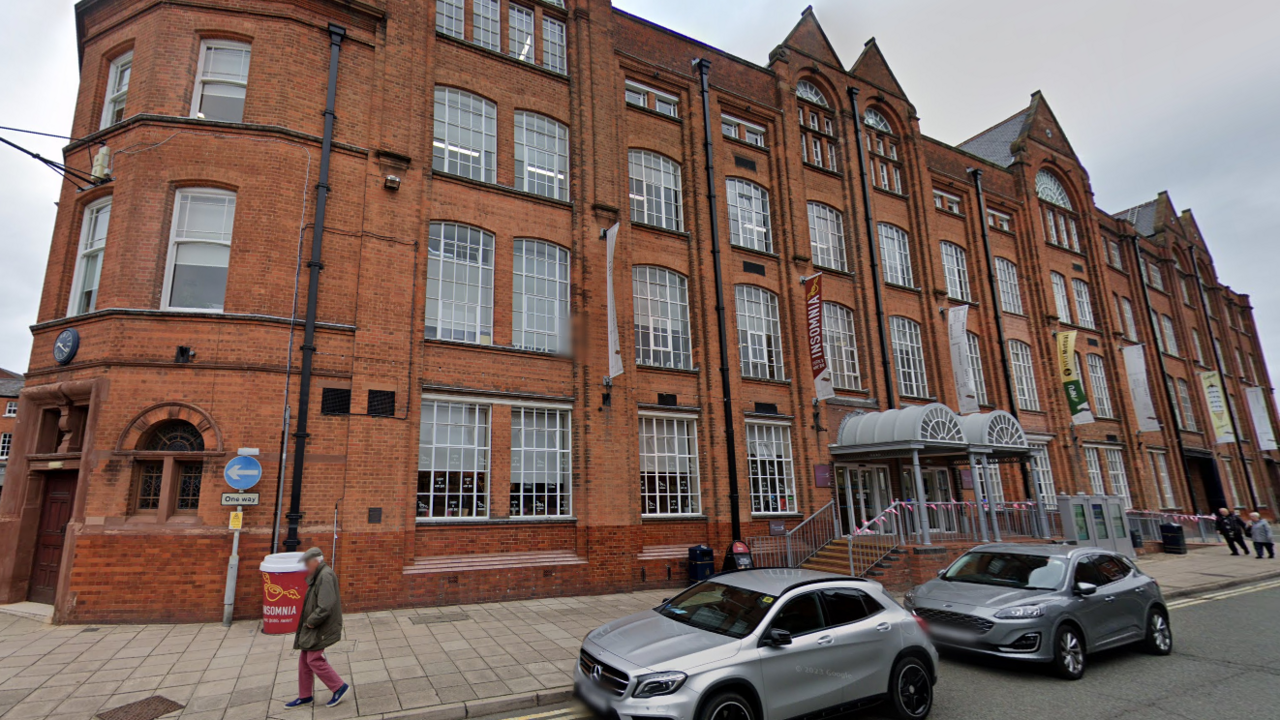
pixel 94 419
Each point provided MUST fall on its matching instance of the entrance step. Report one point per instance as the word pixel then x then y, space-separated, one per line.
pixel 29 610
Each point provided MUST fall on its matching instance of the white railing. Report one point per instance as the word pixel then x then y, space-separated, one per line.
pixel 800 542
pixel 1197 528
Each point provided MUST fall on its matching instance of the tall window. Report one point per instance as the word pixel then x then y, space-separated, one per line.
pixel 1197 347
pixel 540 300
pixel 669 466
pixel 1084 304
pixel 6 444
pixel 895 256
pixel 459 284
pixel 1060 299
pixel 117 90
pixel 200 249
pixel 975 367
pixel 541 482
pixel 486 23
pixel 908 357
pixel 655 190
pixel 841 346
pixel 1093 465
pixel 1101 388
pixel 222 78
pixel 1010 290
pixel 520 33
pixel 1116 474
pixel 1126 314
pixel 466 135
pixel 748 215
pixel 93 240
pixel 1160 467
pixel 449 17
pixel 661 299
pixel 453 460
pixel 1170 335
pixel 826 236
pixel 773 483
pixel 759 333
pixel 1042 470
pixel 1024 375
pixel 955 265
pixel 553 45
pixel 542 156
pixel 1114 257
pixel 1188 415
pixel 1060 226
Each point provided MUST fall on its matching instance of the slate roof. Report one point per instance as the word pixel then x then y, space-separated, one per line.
pixel 994 144
pixel 10 386
pixel 1142 216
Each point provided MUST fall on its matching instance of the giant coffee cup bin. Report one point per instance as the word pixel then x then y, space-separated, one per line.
pixel 284 586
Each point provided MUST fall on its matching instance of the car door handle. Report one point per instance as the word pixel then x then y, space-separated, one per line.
pixel 1140 590
pixel 884 627
pixel 826 639
pixel 1110 598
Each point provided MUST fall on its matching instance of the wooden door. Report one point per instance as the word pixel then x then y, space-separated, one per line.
pixel 55 512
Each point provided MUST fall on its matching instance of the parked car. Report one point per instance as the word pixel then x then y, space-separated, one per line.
pixel 761 645
pixel 1047 603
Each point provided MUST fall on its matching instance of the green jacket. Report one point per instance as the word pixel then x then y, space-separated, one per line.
pixel 321 622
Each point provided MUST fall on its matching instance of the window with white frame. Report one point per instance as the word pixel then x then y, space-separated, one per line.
pixel 1240 365
pixel 749 133
pixel 1197 347
pixel 11 408
pixel 1093 466
pixel 661 305
pixel 1101 388
pixel 6 444
pixel 1238 497
pixel 1126 314
pixel 221 81
pixel 650 99
pixel 1010 288
pixel 841 346
pixel 449 18
pixel 1160 468
pixel 1042 471
pixel 459 284
pixel 1024 375
pixel 908 357
pixel 1177 409
pixel 1155 324
pixel 113 106
pixel 1084 304
pixel 88 273
pixel 974 367
pixel 748 215
pixel 656 198
pixel 1217 353
pixel 1169 334
pixel 540 299
pixel 895 256
pixel 772 477
pixel 541 481
pixel 1114 256
pixel 826 237
pixel 1050 189
pixel 1152 273
pixel 554 55
pixel 759 333
pixel 991 484
pixel 1187 418
pixel 955 266
pixel 520 32
pixel 1000 221
pixel 453 460
pixel 669 482
pixel 946 201
pixel 486 23
pixel 1119 479
pixel 542 156
pixel 1060 299
pixel 809 92
pixel 199 249
pixel 872 118
pixel 466 135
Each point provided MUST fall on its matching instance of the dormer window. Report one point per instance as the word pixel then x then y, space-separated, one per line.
pixel 809 92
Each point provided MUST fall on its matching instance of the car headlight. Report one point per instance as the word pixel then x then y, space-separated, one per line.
pixel 1021 612
pixel 654 684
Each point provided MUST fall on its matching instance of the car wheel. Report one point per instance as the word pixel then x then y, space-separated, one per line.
pixel 1159 640
pixel 1068 653
pixel 727 706
pixel 910 689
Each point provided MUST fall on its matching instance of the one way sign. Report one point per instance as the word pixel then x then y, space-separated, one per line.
pixel 242 472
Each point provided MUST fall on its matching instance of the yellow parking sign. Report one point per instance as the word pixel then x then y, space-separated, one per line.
pixel 237 520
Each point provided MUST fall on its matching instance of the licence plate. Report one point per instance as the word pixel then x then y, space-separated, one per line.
pixel 951 635
pixel 593 697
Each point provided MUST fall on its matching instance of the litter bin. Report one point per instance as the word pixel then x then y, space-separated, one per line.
pixel 1174 538
pixel 284 585
pixel 1135 537
pixel 702 563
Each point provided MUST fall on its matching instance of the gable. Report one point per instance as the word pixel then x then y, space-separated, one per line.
pixel 1043 127
pixel 872 67
pixel 808 38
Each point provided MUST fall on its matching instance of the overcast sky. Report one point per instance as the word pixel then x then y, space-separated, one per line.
pixel 1154 95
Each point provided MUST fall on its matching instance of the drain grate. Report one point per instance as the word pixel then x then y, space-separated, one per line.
pixel 148 709
pixel 440 618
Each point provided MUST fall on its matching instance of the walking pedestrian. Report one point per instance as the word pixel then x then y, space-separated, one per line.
pixel 1231 528
pixel 319 627
pixel 1260 533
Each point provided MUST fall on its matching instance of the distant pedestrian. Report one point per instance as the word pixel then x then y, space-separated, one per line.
pixel 1260 533
pixel 319 627
pixel 1231 528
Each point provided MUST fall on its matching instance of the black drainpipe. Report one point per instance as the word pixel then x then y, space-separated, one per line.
pixel 291 542
pixel 889 387
pixel 731 446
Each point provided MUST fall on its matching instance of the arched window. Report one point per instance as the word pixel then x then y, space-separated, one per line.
pixel 167 482
pixel 1101 388
pixel 895 256
pixel 540 296
pixel 759 333
pixel 885 167
pixel 661 303
pixel 459 284
pixel 908 356
pixel 542 156
pixel 93 241
pixel 809 92
pixel 876 121
pixel 955 265
pixel 1049 189
pixel 841 346
pixel 655 190
pixel 826 236
pixel 1010 290
pixel 466 135
pixel 1024 375
pixel 748 215
pixel 174 436
pixel 975 368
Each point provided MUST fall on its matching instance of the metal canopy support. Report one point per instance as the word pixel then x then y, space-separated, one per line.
pixel 991 504
pixel 920 516
pixel 978 495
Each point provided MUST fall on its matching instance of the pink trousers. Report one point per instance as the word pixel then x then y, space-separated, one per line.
pixel 312 663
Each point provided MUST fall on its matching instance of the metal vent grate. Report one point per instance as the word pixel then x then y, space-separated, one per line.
pixel 335 401
pixel 145 709
pixel 439 618
pixel 382 403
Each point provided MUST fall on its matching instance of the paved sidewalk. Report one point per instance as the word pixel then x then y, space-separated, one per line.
pixel 1205 569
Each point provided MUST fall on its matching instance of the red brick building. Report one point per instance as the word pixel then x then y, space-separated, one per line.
pixel 10 387
pixel 463 443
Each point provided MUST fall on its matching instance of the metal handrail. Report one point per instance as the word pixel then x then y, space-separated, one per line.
pixel 876 539
pixel 800 542
pixel 1197 528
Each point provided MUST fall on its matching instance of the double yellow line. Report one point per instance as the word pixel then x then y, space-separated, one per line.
pixel 1224 594
pixel 577 712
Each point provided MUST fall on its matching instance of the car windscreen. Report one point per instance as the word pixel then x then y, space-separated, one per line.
pixel 1006 569
pixel 719 608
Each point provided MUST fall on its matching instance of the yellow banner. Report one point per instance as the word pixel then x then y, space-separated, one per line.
pixel 1219 413
pixel 1077 399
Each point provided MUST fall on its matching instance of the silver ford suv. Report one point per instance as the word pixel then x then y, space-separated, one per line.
pixel 761 645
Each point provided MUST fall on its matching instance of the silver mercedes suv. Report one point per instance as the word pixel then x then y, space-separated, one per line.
pixel 761 645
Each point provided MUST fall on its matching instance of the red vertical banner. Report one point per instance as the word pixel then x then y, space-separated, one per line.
pixel 817 350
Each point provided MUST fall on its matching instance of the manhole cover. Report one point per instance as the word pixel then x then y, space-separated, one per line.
pixel 440 618
pixel 148 709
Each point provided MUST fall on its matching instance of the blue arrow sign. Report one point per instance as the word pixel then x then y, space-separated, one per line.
pixel 242 472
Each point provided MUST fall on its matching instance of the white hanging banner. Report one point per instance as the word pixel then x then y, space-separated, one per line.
pixel 1135 367
pixel 958 335
pixel 615 349
pixel 1261 419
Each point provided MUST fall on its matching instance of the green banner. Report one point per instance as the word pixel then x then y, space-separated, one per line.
pixel 1069 373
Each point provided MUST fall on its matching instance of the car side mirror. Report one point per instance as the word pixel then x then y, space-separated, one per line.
pixel 942 572
pixel 1085 589
pixel 777 637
